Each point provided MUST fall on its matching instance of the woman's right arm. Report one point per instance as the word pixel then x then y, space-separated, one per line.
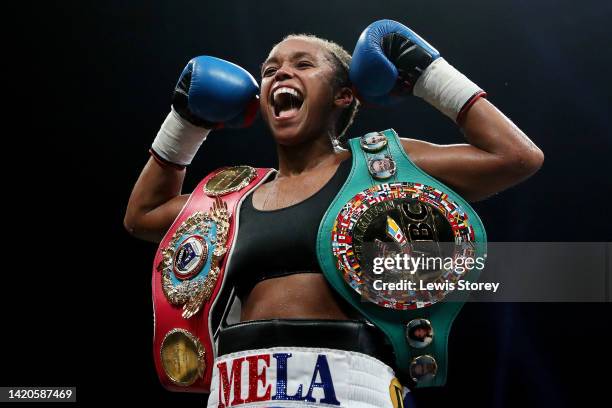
pixel 210 93
pixel 155 202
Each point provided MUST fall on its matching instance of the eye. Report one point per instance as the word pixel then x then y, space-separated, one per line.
pixel 269 71
pixel 304 64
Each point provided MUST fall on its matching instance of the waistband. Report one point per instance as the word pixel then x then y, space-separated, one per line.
pixel 300 377
pixel 349 335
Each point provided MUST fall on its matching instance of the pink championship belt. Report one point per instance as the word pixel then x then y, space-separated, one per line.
pixel 189 274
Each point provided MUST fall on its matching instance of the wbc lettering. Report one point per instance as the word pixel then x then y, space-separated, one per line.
pixel 230 381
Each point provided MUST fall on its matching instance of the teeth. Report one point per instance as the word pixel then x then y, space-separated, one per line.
pixel 286 90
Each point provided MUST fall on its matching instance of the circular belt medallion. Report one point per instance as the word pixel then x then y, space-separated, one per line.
pixel 229 180
pixel 373 142
pixel 189 257
pixel 381 166
pixel 408 221
pixel 182 357
pixel 419 333
pixel 190 263
pixel 423 368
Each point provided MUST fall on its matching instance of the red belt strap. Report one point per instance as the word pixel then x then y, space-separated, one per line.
pixel 194 332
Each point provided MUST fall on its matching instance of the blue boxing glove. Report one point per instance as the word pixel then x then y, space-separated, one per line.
pixel 211 93
pixel 215 93
pixel 390 61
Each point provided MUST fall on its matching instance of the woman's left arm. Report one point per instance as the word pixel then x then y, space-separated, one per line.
pixel 391 60
pixel 499 155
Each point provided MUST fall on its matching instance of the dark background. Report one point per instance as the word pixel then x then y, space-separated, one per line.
pixel 90 85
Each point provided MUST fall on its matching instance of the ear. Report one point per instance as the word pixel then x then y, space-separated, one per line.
pixel 344 97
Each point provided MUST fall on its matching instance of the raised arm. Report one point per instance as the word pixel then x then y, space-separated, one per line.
pixel 211 93
pixel 391 62
pixel 155 201
pixel 499 155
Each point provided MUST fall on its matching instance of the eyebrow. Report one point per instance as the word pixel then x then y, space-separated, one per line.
pixel 294 56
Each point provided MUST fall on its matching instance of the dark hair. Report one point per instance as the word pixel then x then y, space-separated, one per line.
pixel 340 60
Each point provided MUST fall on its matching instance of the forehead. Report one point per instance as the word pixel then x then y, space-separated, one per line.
pixel 295 47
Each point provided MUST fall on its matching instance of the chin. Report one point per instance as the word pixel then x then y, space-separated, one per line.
pixel 289 137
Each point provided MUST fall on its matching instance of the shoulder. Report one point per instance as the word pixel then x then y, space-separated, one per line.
pixel 240 170
pixel 418 150
pixel 231 178
pixel 416 146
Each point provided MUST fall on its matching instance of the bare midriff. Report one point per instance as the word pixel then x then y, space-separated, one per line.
pixel 297 296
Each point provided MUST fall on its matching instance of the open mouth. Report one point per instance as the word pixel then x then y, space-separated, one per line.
pixel 286 102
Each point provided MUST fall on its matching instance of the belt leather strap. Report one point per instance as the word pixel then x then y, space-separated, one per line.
pixel 349 335
pixel 393 322
pixel 198 330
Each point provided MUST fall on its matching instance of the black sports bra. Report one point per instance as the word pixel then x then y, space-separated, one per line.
pixel 281 242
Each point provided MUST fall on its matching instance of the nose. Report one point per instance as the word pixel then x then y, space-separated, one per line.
pixel 283 72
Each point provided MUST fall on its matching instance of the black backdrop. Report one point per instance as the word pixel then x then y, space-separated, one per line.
pixel 92 85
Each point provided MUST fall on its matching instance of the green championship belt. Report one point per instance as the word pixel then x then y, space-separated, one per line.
pixel 389 209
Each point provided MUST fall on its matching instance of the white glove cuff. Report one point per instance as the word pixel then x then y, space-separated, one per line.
pixel 445 88
pixel 178 140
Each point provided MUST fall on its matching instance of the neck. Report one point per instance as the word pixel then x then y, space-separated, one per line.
pixel 296 159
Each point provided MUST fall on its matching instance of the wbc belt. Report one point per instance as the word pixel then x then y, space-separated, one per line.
pixel 388 207
pixel 189 275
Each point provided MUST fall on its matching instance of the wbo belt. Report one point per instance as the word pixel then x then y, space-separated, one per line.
pixel 390 208
pixel 189 280
pixel 347 335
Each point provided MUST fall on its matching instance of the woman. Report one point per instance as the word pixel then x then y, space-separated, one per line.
pixel 308 102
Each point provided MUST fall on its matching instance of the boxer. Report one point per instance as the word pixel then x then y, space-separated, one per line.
pixel 300 341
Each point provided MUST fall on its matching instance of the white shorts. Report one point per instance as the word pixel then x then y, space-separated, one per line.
pixel 303 377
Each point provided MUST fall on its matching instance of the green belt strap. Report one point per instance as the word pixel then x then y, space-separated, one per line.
pixel 393 322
